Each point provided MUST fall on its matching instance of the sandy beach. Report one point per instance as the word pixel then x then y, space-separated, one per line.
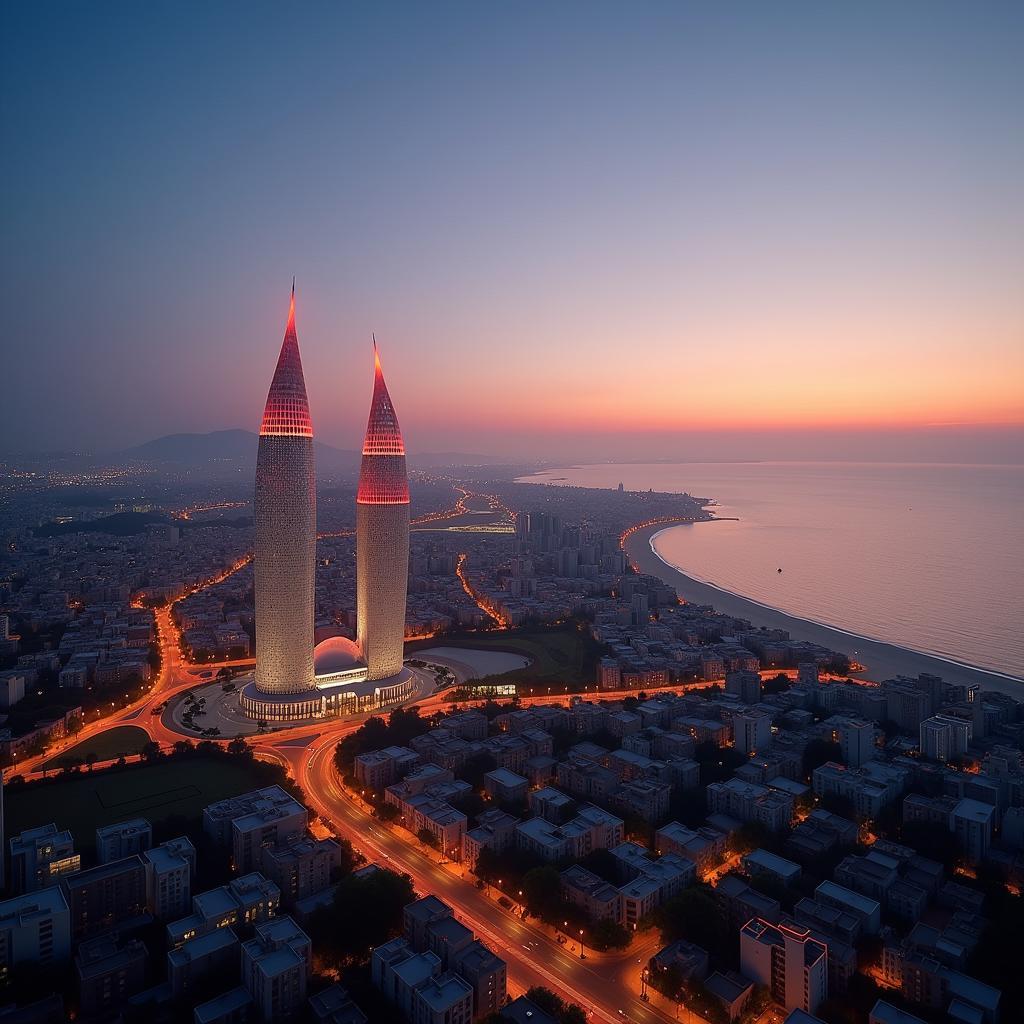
pixel 881 660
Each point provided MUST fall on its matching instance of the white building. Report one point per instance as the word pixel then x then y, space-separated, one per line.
pixel 786 960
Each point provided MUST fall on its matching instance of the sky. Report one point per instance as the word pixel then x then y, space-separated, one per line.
pixel 578 230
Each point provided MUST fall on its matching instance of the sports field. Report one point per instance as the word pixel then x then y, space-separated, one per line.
pixel 177 787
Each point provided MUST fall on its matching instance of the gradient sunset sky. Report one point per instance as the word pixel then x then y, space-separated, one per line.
pixel 600 230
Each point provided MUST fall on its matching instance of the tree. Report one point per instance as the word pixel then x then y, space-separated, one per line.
pixel 608 934
pixel 694 916
pixel 935 840
pixel 183 747
pixel 779 684
pixel 425 836
pixel 366 912
pixel 150 751
pixel 476 767
pixel 717 763
pixel 555 1006
pixel 751 835
pixel 91 759
pixel 239 747
pixel 542 891
pixel 819 752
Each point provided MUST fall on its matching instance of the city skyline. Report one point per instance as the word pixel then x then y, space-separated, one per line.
pixel 821 222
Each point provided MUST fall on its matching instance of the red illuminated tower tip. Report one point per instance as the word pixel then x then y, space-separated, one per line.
pixel 287 410
pixel 383 435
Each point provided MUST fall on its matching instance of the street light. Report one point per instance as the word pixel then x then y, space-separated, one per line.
pixel 582 957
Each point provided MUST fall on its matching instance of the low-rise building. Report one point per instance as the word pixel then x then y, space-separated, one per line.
pixel 867 910
pixel 506 786
pixel 740 902
pixel 40 857
pixel 276 969
pixel 764 864
pixel 748 802
pixel 169 870
pixel 486 974
pixel 264 817
pixel 108 973
pixel 870 788
pixel 196 962
pixel 704 846
pixel 687 959
pixel 598 899
pixel 114 842
pixel 971 820
pixel 105 896
pixel 35 928
pixel 301 865
pixel 243 902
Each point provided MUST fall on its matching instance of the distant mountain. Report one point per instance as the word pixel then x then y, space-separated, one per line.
pixel 194 448
pixel 230 450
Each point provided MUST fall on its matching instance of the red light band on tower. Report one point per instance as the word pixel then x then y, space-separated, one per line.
pixel 382 477
pixel 287 409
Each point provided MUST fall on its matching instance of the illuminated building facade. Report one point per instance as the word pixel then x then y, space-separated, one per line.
pixel 295 677
pixel 382 537
pixel 285 515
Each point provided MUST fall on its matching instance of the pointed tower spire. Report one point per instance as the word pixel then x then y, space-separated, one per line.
pixel 383 435
pixel 287 409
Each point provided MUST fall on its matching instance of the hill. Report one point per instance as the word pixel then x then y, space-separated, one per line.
pixel 230 451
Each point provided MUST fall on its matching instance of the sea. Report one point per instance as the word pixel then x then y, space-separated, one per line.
pixel 926 556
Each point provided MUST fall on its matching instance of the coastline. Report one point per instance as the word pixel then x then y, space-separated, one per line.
pixel 881 660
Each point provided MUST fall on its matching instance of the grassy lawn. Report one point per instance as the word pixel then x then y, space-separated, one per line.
pixel 556 655
pixel 176 788
pixel 125 739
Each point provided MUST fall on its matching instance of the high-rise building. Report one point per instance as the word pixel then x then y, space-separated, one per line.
pixel 382 537
pixel 285 558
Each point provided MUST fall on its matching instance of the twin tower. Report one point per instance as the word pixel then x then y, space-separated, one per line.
pixel 292 680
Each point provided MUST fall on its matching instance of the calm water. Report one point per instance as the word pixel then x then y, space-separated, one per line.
pixel 929 557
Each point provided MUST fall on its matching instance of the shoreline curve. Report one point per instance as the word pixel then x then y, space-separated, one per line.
pixel 882 660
